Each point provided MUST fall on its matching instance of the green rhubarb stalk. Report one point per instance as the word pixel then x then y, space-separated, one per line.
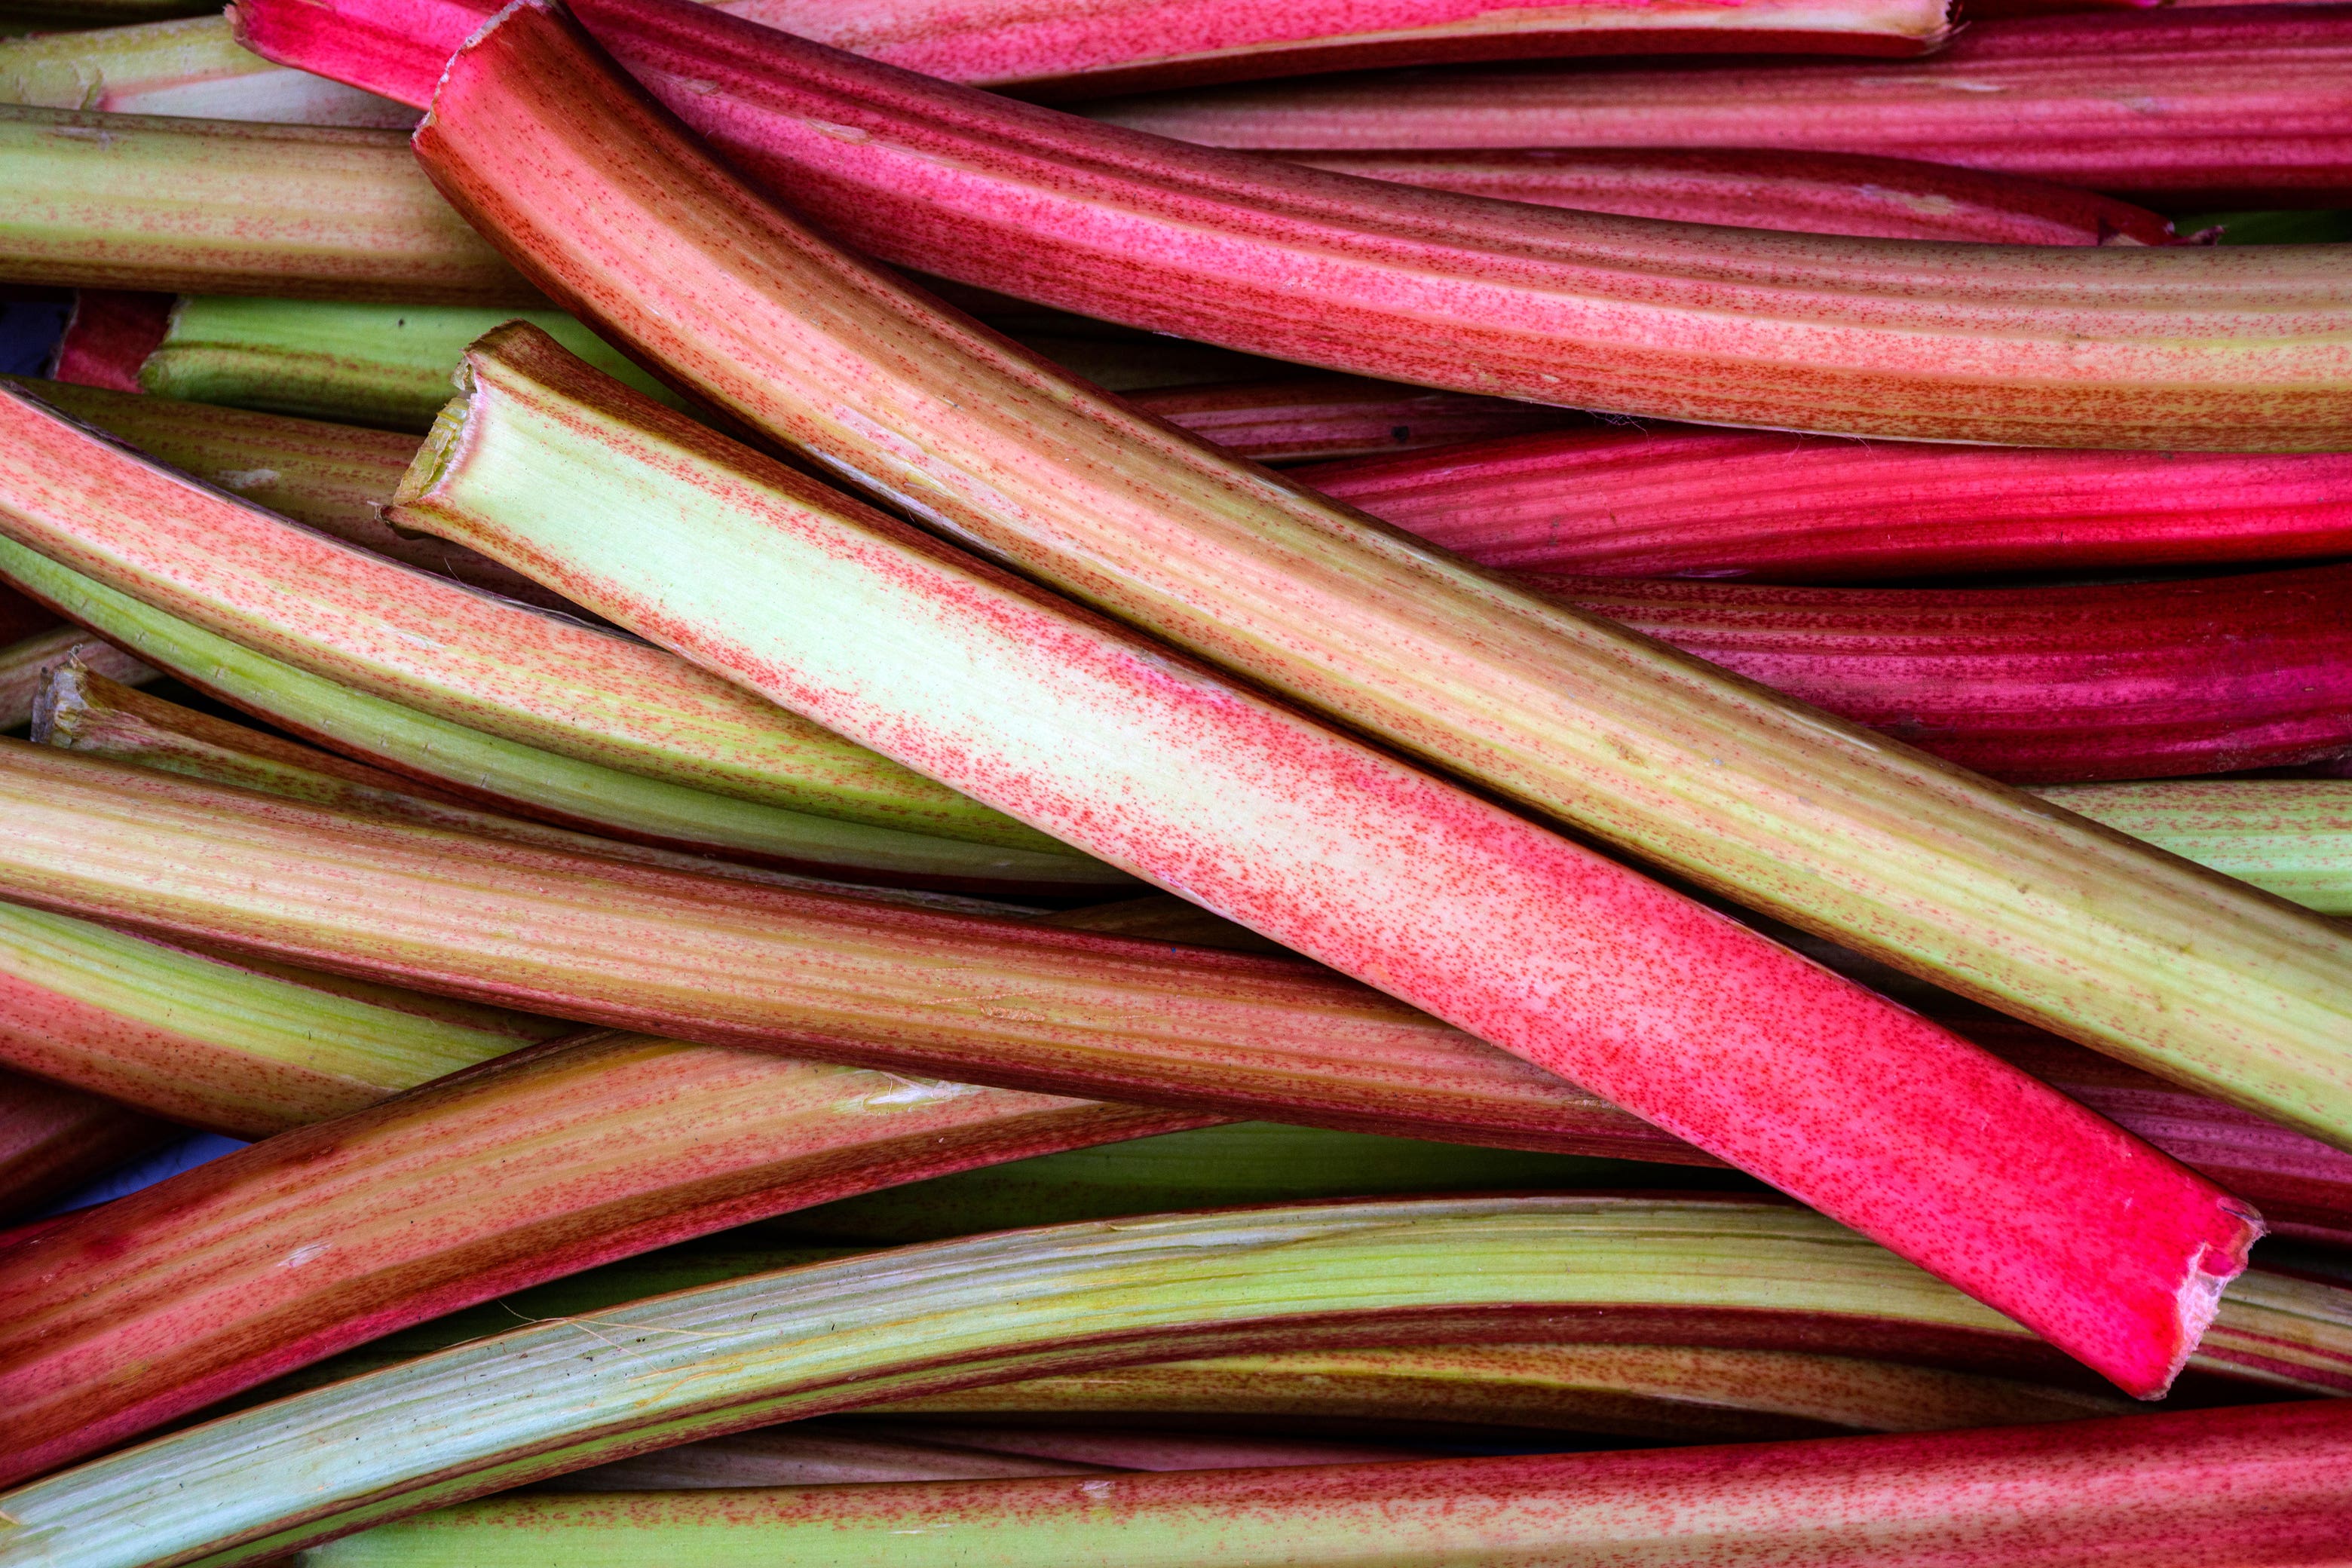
pixel 385 364
pixel 560 1395
pixel 545 785
pixel 187 66
pixel 2288 836
pixel 1831 828
pixel 415 638
pixel 219 207
pixel 336 477
pixel 2148 1492
pixel 85 712
pixel 230 1047
pixel 24 667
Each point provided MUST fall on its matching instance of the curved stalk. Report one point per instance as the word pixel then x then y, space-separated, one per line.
pixel 476 766
pixel 2226 108
pixel 561 1395
pixel 1837 830
pixel 2141 1491
pixel 1289 829
pixel 1802 193
pixel 120 1318
pixel 417 639
pixel 221 207
pixel 1798 509
pixel 2109 346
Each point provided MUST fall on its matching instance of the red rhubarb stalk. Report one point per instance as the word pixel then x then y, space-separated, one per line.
pixel 1676 502
pixel 2043 685
pixel 1844 832
pixel 2265 1484
pixel 1807 193
pixel 1155 764
pixel 143 1310
pixel 2106 346
pixel 2244 107
pixel 1330 417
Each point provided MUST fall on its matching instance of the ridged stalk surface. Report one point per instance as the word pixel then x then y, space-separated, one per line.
pixel 546 785
pixel 189 65
pixel 219 207
pixel 126 1316
pixel 562 1395
pixel 1735 504
pixel 2237 107
pixel 1157 765
pixel 2175 1491
pixel 2110 346
pixel 1838 830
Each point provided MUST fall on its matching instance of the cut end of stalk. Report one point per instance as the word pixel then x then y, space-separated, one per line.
pixel 442 442
pixel 2200 1297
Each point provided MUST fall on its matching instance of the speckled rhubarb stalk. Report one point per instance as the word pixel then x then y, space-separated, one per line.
pixel 2241 108
pixel 553 1396
pixel 1156 763
pixel 150 201
pixel 24 667
pixel 1802 193
pixel 336 477
pixel 2037 685
pixel 1676 502
pixel 418 639
pixel 808 1456
pixel 2292 836
pixel 126 1316
pixel 53 1139
pixel 2110 346
pixel 729 963
pixel 1667 1393
pixel 225 1046
pixel 546 785
pixel 187 66
pixel 2147 1491
pixel 1832 826
pixel 88 714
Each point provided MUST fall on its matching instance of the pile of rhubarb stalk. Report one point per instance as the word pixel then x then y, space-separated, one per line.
pixel 1449 784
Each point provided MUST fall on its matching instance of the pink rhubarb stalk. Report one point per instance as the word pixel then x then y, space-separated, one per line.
pixel 2247 107
pixel 1935 869
pixel 1806 192
pixel 129 1314
pixel 1154 763
pixel 2267 1484
pixel 2109 346
pixel 1800 509
pixel 2045 685
pixel 1331 416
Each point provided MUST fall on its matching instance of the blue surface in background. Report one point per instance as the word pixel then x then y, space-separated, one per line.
pixel 29 330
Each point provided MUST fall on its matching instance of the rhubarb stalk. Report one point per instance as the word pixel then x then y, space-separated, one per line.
pixel 149 201
pixel 2150 1491
pixel 188 67
pixel 24 667
pixel 2245 107
pixel 561 1395
pixel 1801 509
pixel 1803 193
pixel 128 1315
pixel 53 1139
pixel 109 335
pixel 2104 346
pixel 1834 828
pixel 546 785
pixel 1156 763
pixel 2292 836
